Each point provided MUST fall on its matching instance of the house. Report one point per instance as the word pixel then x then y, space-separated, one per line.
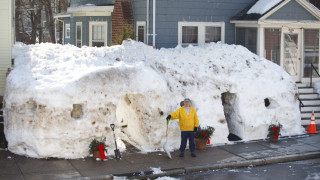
pixel 6 40
pixel 87 23
pixel 284 31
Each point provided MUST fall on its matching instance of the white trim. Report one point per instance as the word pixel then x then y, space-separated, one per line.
pixel 201 30
pixel 311 8
pixel 61 16
pixel 63 35
pixel 306 5
pixel 78 24
pixel 247 25
pixel 260 41
pixel 141 23
pixel 67 27
pixel 243 22
pixel 91 23
pixel 286 22
pixel 75 14
pixel 90 9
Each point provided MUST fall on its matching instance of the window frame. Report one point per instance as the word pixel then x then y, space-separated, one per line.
pixel 91 23
pixel 246 35
pixel 67 30
pixel 205 33
pixel 77 24
pixel 201 31
pixel 141 23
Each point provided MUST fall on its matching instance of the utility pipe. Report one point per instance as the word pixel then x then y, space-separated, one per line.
pixel 148 5
pixel 154 23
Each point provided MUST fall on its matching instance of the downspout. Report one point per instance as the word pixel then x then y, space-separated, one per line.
pixel 148 5
pixel 154 23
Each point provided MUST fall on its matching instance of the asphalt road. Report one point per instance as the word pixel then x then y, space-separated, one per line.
pixel 299 170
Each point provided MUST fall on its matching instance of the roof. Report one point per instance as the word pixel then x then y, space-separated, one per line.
pixel 250 12
pixel 316 3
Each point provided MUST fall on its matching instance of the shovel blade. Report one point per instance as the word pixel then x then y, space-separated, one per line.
pixel 166 149
pixel 117 154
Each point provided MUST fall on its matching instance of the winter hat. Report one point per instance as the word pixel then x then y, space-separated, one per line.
pixel 187 100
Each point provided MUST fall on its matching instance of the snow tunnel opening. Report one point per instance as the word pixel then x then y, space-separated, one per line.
pixel 129 118
pixel 231 115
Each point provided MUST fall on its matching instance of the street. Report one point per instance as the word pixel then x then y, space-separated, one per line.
pixel 307 169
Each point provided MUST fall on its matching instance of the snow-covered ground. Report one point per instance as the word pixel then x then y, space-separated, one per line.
pixel 59 97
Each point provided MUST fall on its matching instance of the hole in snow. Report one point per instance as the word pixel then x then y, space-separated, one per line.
pixel 229 102
pixel 270 103
pixel 76 111
pixel 266 102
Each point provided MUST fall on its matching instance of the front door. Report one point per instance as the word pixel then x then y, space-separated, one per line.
pixel 291 56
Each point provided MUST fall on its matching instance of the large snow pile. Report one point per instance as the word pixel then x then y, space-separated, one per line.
pixel 59 97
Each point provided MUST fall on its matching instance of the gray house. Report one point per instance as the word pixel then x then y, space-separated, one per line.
pixel 284 31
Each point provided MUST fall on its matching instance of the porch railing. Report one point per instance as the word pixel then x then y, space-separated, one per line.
pixel 300 104
pixel 311 71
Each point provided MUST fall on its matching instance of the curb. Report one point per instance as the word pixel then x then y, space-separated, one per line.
pixel 193 169
pixel 239 164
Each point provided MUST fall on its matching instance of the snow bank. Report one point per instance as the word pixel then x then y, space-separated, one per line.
pixel 262 6
pixel 59 97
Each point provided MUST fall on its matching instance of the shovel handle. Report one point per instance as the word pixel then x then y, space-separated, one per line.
pixel 167 131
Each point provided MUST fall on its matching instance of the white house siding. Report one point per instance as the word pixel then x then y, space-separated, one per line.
pixel 6 40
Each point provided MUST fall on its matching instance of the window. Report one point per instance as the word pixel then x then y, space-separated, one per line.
pixel 272 44
pixel 189 35
pixel 141 31
pixel 213 34
pixel 79 34
pixel 98 34
pixel 247 37
pixel 197 33
pixel 311 51
pixel 67 30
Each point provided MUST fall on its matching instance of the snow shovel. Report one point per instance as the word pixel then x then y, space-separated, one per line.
pixel 165 145
pixel 116 151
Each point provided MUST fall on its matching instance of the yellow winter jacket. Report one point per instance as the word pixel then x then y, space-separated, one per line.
pixel 186 122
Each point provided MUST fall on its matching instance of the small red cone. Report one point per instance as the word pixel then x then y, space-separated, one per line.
pixel 312 126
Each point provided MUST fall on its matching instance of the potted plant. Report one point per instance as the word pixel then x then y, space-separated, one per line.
pixel 202 136
pixel 94 147
pixel 274 132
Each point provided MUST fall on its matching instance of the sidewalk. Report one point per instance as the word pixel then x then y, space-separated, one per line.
pixel 137 165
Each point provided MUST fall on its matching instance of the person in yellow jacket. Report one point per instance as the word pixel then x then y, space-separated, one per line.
pixel 188 121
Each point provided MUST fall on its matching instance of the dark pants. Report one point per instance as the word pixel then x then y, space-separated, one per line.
pixel 185 135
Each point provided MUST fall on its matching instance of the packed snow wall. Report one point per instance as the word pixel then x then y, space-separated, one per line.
pixel 59 97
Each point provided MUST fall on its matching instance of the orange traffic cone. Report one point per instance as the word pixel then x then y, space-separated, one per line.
pixel 312 126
